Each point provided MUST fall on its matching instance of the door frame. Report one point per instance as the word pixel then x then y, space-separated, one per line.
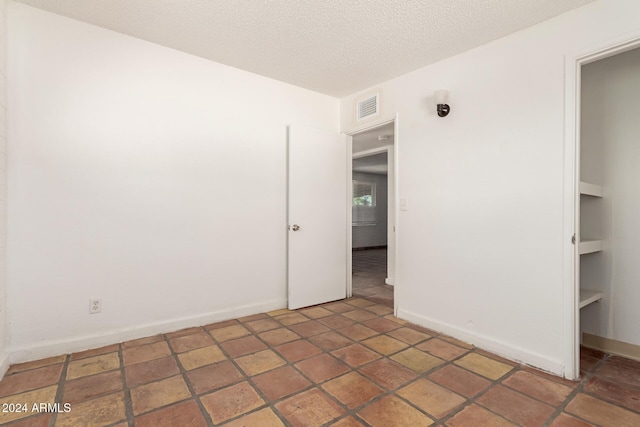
pixel 571 257
pixel 391 208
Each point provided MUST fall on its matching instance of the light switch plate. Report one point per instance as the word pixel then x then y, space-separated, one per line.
pixel 404 204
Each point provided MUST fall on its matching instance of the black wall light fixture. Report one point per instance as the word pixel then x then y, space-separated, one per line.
pixel 441 96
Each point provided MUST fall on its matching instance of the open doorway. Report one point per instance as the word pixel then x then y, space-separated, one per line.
pixel 607 228
pixel 601 107
pixel 372 214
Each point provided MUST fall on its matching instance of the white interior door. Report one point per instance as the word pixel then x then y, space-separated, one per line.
pixel 317 216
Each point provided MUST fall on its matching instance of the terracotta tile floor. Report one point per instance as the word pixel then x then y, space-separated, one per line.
pixel 346 363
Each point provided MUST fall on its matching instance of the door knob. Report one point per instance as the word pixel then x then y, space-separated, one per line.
pixel 295 227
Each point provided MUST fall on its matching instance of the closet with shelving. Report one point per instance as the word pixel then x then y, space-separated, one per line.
pixel 609 210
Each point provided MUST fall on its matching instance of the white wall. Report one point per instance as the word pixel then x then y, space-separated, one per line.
pixel 373 235
pixel 4 360
pixel 480 248
pixel 610 153
pixel 144 176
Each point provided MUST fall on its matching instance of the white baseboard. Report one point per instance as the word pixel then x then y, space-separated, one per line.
pixel 500 348
pixel 608 345
pixel 5 362
pixel 51 348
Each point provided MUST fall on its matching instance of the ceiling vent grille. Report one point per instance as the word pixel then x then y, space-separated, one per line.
pixel 367 107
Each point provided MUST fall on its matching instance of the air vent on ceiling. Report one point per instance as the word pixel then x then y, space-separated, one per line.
pixel 367 107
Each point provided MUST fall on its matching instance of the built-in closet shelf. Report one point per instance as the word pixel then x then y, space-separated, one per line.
pixel 587 297
pixel 590 189
pixel 590 246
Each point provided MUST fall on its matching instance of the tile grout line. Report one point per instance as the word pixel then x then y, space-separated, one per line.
pixel 183 373
pixel 128 404
pixel 60 389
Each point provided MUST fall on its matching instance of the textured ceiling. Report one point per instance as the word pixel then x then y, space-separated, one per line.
pixel 336 47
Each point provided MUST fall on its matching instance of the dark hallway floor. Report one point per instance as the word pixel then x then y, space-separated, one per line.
pixel 369 274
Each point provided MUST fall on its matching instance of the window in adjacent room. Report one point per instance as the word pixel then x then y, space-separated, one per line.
pixel 364 203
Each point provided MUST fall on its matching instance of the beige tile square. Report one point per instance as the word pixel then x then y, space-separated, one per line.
pixel 442 349
pixel 154 395
pixel 231 402
pixel 201 357
pixel 357 332
pixel 391 411
pixel 359 302
pixel 229 333
pixel 42 395
pixel 93 365
pixel 316 312
pixel 352 389
pixel 435 400
pixel 408 335
pixel 384 344
pixel 97 412
pixel 278 336
pixel 355 355
pixel 359 315
pixel 262 325
pixel 262 361
pixel 291 319
pixel 144 353
pixel 484 366
pixel 417 360
pixel 191 342
pixel 262 418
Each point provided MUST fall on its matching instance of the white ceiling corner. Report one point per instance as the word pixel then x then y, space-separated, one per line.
pixel 336 47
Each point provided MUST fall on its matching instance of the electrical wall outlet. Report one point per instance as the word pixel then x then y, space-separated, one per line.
pixel 95 305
